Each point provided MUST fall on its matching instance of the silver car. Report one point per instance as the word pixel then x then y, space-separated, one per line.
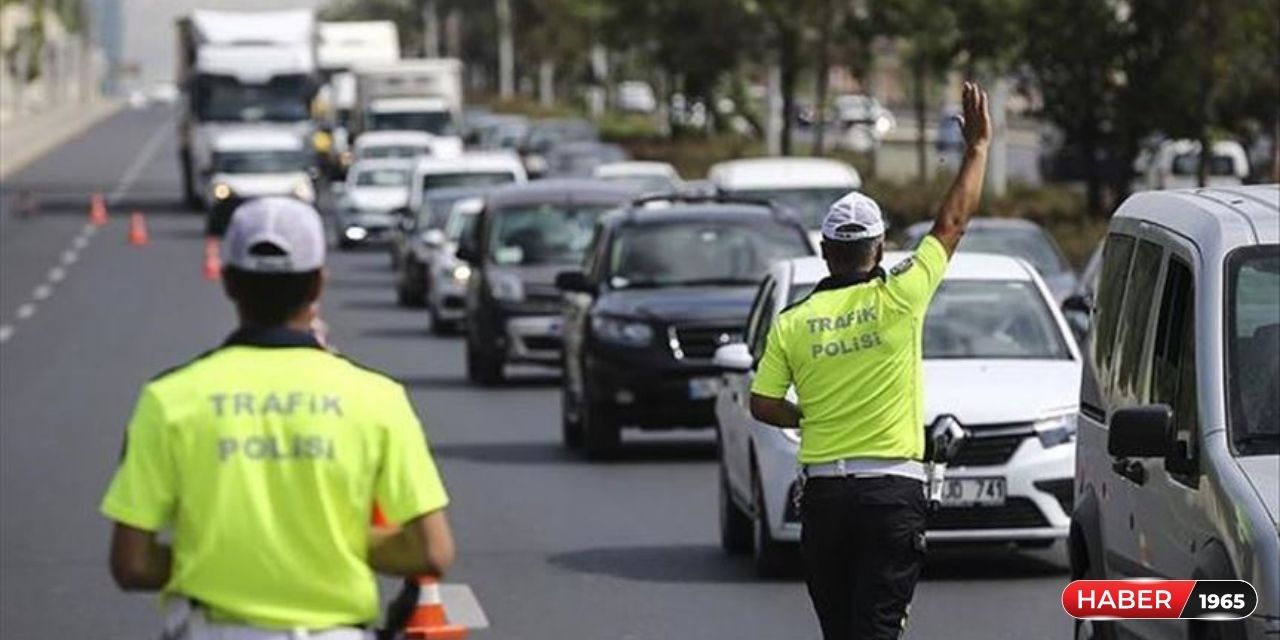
pixel 1178 457
pixel 1013 237
pixel 447 289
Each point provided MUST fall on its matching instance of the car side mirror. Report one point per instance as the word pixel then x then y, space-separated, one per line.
pixel 434 238
pixel 575 281
pixel 733 357
pixel 1140 432
pixel 1077 303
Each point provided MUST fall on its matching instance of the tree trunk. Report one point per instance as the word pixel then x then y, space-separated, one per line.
pixel 922 116
pixel 506 51
pixel 547 82
pixel 1092 176
pixel 787 86
pixel 430 30
pixel 453 33
pixel 822 79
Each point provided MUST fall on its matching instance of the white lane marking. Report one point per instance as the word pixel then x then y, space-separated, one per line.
pixel 26 311
pixel 6 332
pixel 42 292
pixel 69 257
pixel 56 274
pixel 141 161
pixel 462 607
pixel 80 242
pixel 89 230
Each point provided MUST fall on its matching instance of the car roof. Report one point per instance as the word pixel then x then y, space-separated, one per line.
pixel 963 266
pixel 471 162
pixel 557 190
pixel 635 168
pixel 783 172
pixel 1218 218
pixel 394 137
pixel 365 164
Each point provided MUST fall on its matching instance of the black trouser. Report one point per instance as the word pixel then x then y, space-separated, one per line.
pixel 863 546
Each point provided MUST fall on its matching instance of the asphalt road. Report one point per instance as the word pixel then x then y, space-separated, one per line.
pixel 551 546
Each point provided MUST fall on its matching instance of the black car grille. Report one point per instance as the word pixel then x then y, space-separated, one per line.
pixel 702 342
pixel 1017 513
pixel 542 343
pixel 989 445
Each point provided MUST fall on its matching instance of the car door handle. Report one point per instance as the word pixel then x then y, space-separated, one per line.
pixel 1132 470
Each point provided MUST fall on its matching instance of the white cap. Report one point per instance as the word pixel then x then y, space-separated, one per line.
pixel 853 217
pixel 274 235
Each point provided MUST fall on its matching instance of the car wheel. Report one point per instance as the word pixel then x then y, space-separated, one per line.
pixel 601 433
pixel 481 368
pixel 570 420
pixel 771 557
pixel 440 326
pixel 735 526
pixel 1093 629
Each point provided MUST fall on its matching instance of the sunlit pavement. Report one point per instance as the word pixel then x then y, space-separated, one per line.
pixel 551 546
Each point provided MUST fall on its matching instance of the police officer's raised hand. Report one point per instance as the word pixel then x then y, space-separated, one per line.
pixel 975 121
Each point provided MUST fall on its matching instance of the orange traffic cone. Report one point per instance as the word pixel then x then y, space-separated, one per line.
pixel 138 230
pixel 428 621
pixel 379 518
pixel 212 262
pixel 97 209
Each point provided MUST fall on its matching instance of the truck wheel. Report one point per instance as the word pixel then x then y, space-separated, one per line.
pixel 570 420
pixel 771 558
pixel 735 526
pixel 483 369
pixel 600 429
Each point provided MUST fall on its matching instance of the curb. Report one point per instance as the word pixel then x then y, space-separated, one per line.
pixel 56 128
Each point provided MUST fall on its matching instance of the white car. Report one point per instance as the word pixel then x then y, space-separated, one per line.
pixel 447 292
pixel 1174 164
pixel 256 161
pixel 806 186
pixel 643 176
pixel 373 190
pixel 405 144
pixel 471 169
pixel 998 357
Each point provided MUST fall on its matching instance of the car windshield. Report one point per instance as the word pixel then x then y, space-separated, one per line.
pixel 433 181
pixel 686 253
pixel 260 161
pixel 436 208
pixel 382 178
pixel 395 151
pixel 1253 350
pixel 1030 244
pixel 809 205
pixel 971 319
pixel 439 123
pixel 543 234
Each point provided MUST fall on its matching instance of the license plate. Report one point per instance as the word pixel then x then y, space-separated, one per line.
pixel 969 492
pixel 703 388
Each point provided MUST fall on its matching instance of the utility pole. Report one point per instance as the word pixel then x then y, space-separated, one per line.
pixel 430 30
pixel 506 51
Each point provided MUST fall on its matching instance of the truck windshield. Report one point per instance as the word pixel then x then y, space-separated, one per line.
pixel 223 99
pixel 1253 349
pixel 260 161
pixel 438 123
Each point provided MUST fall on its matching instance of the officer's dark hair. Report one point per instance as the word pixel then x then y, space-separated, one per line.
pixel 857 255
pixel 270 299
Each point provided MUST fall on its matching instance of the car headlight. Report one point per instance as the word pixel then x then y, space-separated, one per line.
pixel 506 287
pixel 460 273
pixel 1056 430
pixel 304 191
pixel 621 331
pixel 356 233
pixel 221 191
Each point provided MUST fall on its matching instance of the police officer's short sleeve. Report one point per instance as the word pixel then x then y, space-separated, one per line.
pixel 408 483
pixel 143 492
pixel 913 281
pixel 773 373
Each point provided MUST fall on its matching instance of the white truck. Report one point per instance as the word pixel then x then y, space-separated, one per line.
pixel 344 47
pixel 241 67
pixel 416 95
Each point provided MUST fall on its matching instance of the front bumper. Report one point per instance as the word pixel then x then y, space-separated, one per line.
pixel 1037 504
pixel 646 387
pixel 534 339
pixel 447 296
pixel 359 230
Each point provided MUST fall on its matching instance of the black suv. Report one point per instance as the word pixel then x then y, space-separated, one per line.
pixel 666 282
pixel 525 235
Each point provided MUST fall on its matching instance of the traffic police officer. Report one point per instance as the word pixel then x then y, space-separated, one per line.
pixel 265 458
pixel 852 350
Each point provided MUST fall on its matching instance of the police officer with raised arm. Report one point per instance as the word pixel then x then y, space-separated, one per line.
pixel 265 457
pixel 853 351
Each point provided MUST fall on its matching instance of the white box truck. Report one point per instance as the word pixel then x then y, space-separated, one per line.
pixel 415 95
pixel 343 47
pixel 236 67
